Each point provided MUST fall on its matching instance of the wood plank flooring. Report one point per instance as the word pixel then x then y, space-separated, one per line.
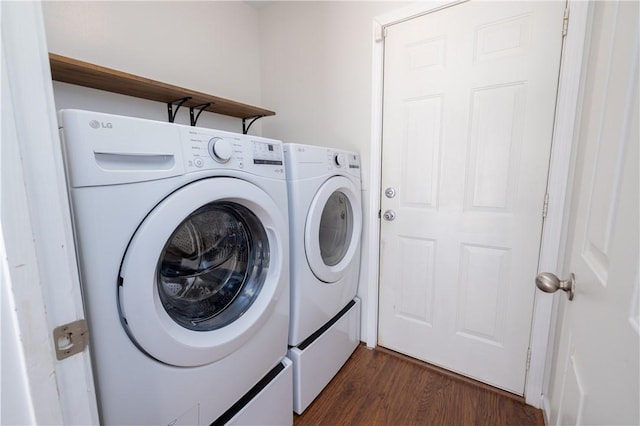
pixel 378 387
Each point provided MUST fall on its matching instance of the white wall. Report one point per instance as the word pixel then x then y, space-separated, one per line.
pixel 316 60
pixel 210 47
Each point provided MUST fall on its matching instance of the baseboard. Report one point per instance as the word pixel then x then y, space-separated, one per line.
pixel 546 409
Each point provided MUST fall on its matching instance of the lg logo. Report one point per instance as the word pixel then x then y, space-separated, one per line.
pixel 97 124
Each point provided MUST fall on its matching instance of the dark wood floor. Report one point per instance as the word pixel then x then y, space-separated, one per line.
pixel 378 387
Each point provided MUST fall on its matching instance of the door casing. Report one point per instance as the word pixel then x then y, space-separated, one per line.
pixel 560 170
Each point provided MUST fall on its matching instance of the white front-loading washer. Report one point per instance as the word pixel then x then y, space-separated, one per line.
pixel 183 247
pixel 325 212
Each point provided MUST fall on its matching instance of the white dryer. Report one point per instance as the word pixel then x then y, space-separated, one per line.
pixel 325 212
pixel 183 246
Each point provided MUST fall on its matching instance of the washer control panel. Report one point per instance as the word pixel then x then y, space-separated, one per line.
pixel 267 153
pixel 206 149
pixel 220 149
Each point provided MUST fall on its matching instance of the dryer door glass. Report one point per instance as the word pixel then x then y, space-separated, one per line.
pixel 336 227
pixel 213 266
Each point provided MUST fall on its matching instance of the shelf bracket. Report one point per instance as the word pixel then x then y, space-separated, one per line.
pixel 178 102
pixel 200 108
pixel 245 127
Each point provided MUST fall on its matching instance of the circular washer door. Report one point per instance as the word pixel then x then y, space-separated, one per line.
pixel 203 271
pixel 332 231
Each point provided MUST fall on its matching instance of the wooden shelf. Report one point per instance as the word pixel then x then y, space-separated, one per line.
pixel 73 71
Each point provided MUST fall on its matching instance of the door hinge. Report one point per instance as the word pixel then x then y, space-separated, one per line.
pixel 379 214
pixel 381 33
pixel 71 338
pixel 545 205
pixel 528 359
pixel 565 22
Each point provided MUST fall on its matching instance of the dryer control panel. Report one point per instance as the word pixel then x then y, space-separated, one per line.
pixel 310 161
pixel 344 161
pixel 206 149
pixel 353 164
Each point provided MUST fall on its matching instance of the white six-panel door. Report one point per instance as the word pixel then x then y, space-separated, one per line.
pixel 597 373
pixel 469 97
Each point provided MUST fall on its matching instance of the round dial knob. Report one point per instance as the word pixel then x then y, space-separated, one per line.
pixel 340 159
pixel 220 149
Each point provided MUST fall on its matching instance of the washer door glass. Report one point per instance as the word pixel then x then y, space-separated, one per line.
pixel 336 227
pixel 332 229
pixel 213 266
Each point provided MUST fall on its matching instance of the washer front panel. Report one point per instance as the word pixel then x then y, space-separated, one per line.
pixel 202 272
pixel 332 230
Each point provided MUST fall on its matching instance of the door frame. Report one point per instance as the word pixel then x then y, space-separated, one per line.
pixel 46 293
pixel 553 236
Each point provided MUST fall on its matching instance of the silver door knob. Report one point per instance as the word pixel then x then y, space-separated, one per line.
pixel 389 215
pixel 550 283
pixel 390 192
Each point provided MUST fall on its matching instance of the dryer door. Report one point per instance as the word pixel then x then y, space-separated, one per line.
pixel 203 271
pixel 332 231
